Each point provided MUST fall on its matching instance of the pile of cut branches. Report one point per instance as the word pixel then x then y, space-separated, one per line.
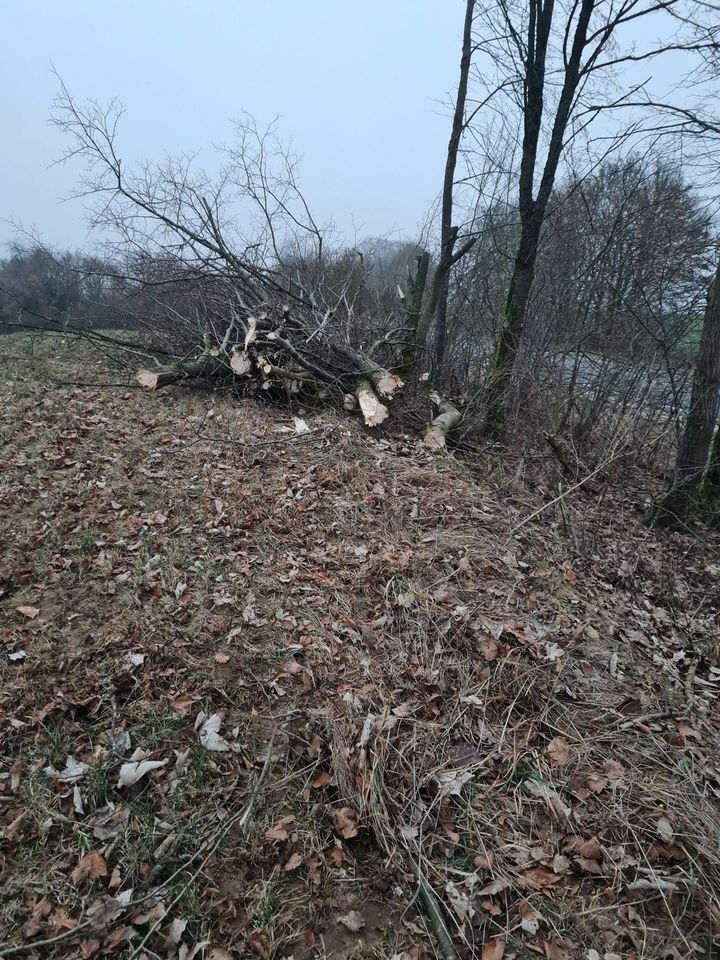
pixel 281 348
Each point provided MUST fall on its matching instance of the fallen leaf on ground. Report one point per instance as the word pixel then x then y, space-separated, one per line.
pixel 558 751
pixel 29 612
pixel 345 820
pixel 553 951
pixel 589 848
pixel 493 950
pixel 497 886
pixel 321 780
pixel 279 830
pixel 208 731
pixel 130 773
pixel 529 919
pixel 175 932
pixel 91 866
pixel 74 770
pixel 353 921
pixel 613 770
pixel 664 828
pixel 41 911
pixel 460 902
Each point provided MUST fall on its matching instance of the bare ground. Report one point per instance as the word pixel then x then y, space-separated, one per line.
pixel 413 667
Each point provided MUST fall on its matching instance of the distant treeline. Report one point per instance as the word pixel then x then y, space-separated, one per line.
pixel 43 290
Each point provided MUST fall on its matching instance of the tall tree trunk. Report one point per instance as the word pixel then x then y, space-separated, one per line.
pixel 414 303
pixel 448 233
pixel 710 489
pixel 697 436
pixel 516 307
pixel 534 207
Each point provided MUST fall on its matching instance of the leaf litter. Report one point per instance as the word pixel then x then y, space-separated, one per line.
pixel 512 714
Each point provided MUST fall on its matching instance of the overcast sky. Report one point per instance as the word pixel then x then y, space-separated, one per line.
pixel 358 84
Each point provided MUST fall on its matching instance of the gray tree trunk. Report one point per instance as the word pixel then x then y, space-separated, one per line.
pixel 694 449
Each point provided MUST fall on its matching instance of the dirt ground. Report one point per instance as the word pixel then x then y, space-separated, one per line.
pixel 253 681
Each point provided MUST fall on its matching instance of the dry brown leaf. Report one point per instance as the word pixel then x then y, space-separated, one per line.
pixel 91 866
pixel 664 829
pixel 41 911
pixel 88 948
pixel 221 657
pixel 529 918
pixel 539 878
pixel 688 732
pixel 294 861
pixel 151 914
pixel 613 770
pixel 61 922
pixel 496 886
pixel 589 848
pixel 558 751
pixel 320 780
pixel 15 775
pixel 279 830
pixel 182 704
pixel 484 861
pixel 553 951
pixel 589 866
pixel 345 820
pixel 29 612
pixel 596 783
pixel 490 649
pixel 493 950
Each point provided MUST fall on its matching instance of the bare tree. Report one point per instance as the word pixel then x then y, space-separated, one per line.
pixel 426 308
pixel 239 253
pixel 555 62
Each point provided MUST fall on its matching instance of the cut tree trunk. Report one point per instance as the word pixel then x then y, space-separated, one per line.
pixel 179 370
pixel 374 412
pixel 448 417
pixel 154 379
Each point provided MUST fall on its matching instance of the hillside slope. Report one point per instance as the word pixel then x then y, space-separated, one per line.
pixel 253 681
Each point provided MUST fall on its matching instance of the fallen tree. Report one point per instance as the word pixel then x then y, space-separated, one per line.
pixel 263 354
pixel 214 304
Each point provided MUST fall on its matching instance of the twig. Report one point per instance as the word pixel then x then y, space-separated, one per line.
pixel 688 683
pixel 432 907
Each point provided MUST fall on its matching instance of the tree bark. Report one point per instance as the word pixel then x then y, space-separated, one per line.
pixel 175 372
pixel 448 233
pixel 710 489
pixel 516 307
pixel 694 449
pixel 374 412
pixel 448 417
pixel 414 302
